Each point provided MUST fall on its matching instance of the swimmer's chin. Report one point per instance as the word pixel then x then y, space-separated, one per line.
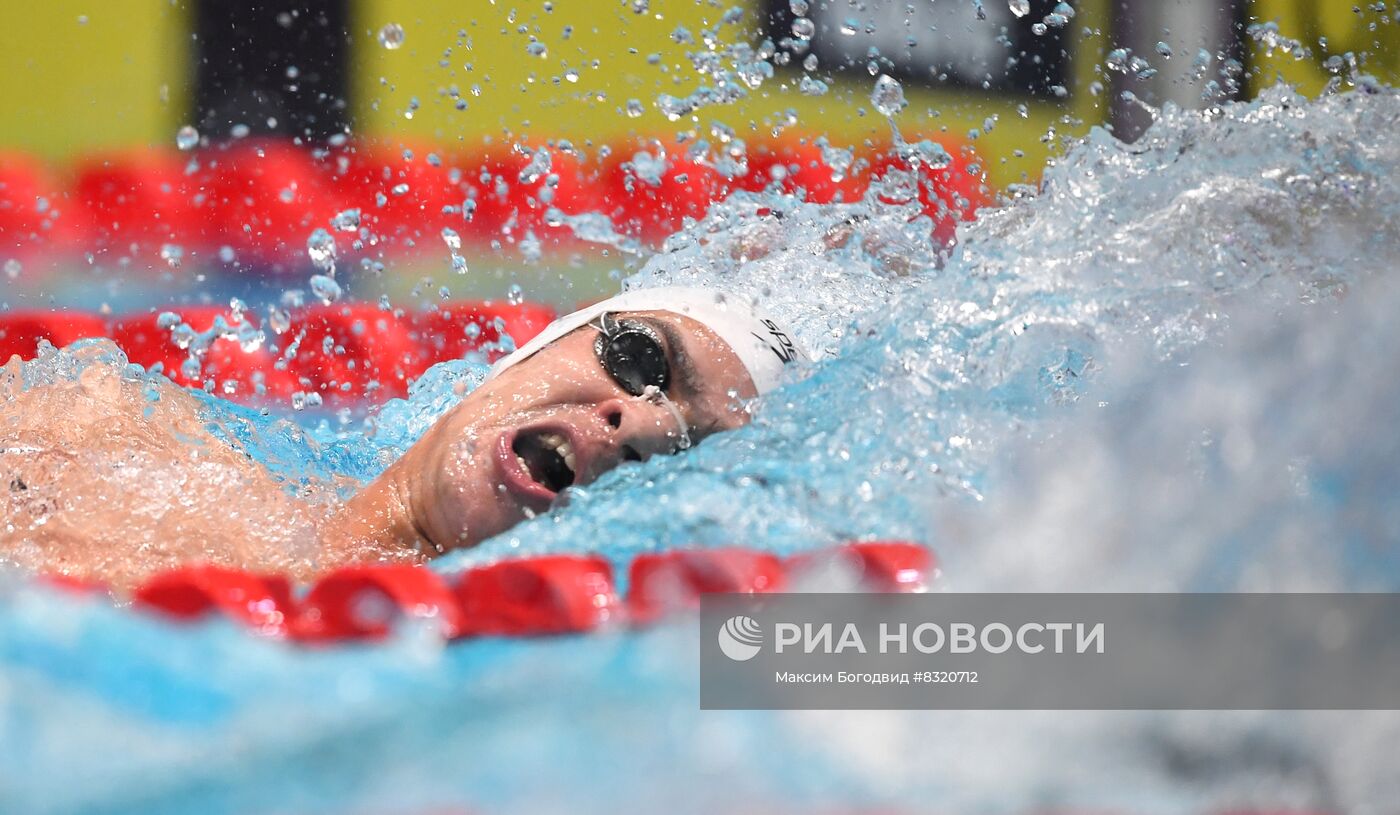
pixel 417 507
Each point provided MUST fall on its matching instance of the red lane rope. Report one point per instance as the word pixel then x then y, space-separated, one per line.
pixel 534 596
pixel 262 199
pixel 344 352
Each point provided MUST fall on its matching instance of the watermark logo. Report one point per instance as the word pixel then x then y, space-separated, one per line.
pixel 740 638
pixel 1096 651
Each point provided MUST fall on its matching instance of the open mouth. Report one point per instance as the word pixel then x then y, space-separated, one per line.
pixel 547 457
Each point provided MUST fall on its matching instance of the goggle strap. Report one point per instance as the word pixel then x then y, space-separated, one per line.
pixel 654 394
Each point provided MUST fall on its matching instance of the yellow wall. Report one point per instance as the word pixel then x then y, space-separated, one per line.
pixel 121 78
pixel 1357 27
pixel 529 96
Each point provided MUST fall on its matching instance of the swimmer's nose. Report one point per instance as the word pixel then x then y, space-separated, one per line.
pixel 611 411
pixel 642 429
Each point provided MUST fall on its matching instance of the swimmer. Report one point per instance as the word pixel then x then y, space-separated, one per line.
pixel 645 373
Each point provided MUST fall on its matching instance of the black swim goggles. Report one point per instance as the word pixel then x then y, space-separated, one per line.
pixel 633 355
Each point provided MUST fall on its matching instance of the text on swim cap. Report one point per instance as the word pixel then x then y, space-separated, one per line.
pixel 780 344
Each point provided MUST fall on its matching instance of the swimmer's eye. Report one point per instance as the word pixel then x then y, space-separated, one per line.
pixel 633 355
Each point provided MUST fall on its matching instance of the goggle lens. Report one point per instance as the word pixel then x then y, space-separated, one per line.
pixel 632 355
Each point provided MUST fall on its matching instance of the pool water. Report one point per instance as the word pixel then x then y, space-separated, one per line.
pixel 1169 369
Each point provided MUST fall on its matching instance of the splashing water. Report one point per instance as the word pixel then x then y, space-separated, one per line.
pixel 1166 370
pixel 1262 205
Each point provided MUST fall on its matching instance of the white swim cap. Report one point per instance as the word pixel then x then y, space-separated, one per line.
pixel 757 341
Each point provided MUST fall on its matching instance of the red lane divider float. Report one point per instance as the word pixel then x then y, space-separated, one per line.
pixel 553 594
pixel 545 595
pixel 263 602
pixel 881 567
pixel 240 373
pixel 673 581
pixel 138 197
pixel 21 331
pixel 362 602
pixel 344 352
pixel 457 329
pixel 263 198
pixel 34 207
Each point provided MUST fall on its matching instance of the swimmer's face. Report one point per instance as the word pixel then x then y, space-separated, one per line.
pixel 559 419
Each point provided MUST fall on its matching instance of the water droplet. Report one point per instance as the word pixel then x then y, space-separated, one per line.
pixel 459 264
pixel 320 247
pixel 346 220
pixel 537 49
pixel 1201 64
pixel 187 138
pixel 325 288
pixel 803 28
pixel 634 108
pixel 172 254
pixel 391 36
pixel 799 7
pixel 539 166
pixel 249 338
pixel 1164 50
pixel 888 95
pixel 1039 29
pixel 515 295
pixel 1020 7
pixel 850 26
pixel 13 268
pixel 672 107
pixel 399 189
pixel 279 320
pixel 451 238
